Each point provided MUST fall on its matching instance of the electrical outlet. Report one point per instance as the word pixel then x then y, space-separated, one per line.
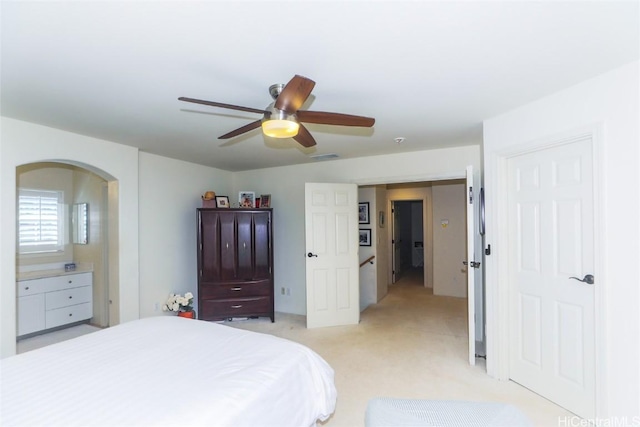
pixel 156 306
pixel 282 291
pixel 288 292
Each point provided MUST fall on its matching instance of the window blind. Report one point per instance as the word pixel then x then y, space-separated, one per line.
pixel 40 220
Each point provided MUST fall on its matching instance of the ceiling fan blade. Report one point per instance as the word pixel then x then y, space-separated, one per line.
pixel 304 138
pixel 294 94
pixel 324 118
pixel 221 105
pixel 241 130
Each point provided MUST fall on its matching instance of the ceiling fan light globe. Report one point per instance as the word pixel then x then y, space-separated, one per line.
pixel 279 128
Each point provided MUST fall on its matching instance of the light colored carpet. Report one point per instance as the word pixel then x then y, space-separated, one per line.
pixel 411 345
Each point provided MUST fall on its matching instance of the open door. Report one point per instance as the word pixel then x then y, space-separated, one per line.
pixel 396 256
pixel 474 265
pixel 332 242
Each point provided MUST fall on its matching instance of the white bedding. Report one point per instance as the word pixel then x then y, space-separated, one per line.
pixel 167 371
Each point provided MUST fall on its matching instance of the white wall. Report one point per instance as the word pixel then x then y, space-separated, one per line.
pixel 368 284
pixel 449 242
pixel 170 193
pixel 382 247
pixel 609 103
pixel 286 186
pixel 22 143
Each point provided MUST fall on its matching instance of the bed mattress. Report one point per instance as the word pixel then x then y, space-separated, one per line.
pixel 167 371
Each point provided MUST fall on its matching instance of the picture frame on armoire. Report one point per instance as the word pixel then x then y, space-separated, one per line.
pixel 222 201
pixel 246 199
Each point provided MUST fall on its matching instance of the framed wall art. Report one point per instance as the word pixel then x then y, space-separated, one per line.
pixel 363 213
pixel 365 237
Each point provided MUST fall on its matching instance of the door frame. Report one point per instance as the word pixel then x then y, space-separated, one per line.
pixel 426 235
pixel 496 279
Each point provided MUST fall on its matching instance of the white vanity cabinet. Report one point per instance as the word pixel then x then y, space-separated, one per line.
pixel 54 301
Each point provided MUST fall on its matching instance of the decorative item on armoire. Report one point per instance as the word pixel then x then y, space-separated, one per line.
pixel 209 199
pixel 183 305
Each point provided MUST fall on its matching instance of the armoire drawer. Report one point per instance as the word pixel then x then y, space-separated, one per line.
pixel 236 290
pixel 235 307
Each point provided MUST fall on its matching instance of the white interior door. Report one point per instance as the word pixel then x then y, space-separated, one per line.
pixel 474 265
pixel 550 220
pixel 332 242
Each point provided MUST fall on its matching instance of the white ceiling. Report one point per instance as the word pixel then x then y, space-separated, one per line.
pixel 429 71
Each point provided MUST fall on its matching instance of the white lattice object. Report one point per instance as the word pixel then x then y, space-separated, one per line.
pixel 391 412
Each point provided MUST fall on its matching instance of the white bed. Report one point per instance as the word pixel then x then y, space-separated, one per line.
pixel 167 371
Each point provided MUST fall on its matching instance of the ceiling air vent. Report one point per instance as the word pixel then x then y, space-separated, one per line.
pixel 320 157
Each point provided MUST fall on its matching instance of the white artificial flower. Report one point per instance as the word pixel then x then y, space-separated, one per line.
pixel 188 295
pixel 176 307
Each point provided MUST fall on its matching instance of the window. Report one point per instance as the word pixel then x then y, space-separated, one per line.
pixel 40 221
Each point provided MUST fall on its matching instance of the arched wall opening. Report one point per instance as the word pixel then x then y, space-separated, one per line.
pixel 78 183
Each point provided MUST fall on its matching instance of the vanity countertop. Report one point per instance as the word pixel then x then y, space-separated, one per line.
pixel 39 274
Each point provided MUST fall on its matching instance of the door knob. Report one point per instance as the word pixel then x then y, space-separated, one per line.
pixel 311 255
pixel 588 279
pixel 473 264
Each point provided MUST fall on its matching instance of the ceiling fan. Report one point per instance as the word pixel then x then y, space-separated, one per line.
pixel 282 118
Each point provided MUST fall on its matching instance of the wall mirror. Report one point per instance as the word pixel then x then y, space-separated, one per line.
pixel 80 223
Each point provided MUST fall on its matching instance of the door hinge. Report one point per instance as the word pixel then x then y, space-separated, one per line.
pixel 470 195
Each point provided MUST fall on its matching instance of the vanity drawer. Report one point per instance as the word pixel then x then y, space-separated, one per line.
pixel 73 313
pixel 54 283
pixel 68 297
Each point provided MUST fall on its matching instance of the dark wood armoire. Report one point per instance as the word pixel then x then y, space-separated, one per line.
pixel 235 263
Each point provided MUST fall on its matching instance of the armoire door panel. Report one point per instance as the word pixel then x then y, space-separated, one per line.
pixel 209 261
pixel 262 245
pixel 244 246
pixel 227 246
